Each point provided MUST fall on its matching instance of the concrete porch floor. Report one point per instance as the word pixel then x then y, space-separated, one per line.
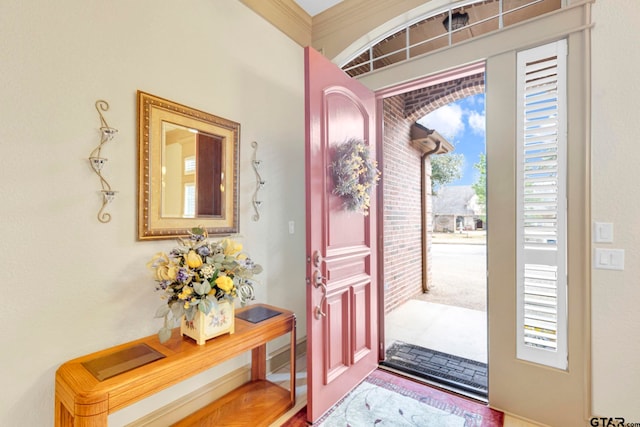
pixel 446 328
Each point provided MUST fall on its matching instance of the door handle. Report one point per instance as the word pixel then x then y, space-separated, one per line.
pixel 317 258
pixel 319 282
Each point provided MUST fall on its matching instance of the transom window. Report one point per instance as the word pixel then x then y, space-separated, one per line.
pixel 445 27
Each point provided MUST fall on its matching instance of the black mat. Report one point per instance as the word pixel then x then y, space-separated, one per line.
pixel 257 314
pixel 457 372
pixel 122 361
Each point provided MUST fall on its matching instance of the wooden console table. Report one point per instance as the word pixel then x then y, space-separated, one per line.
pixel 83 400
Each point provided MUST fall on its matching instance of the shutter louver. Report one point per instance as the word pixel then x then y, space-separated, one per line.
pixel 541 196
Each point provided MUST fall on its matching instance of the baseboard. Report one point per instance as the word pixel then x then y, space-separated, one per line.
pixel 190 403
pixel 516 421
pixel 280 357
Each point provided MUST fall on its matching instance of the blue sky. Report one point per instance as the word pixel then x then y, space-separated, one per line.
pixel 462 123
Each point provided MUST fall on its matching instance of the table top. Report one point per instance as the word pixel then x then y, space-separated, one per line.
pixel 180 358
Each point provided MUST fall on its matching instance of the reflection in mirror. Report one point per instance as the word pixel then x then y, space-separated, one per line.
pixel 188 173
pixel 192 175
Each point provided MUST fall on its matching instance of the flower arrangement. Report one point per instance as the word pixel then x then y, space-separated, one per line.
pixel 199 273
pixel 354 175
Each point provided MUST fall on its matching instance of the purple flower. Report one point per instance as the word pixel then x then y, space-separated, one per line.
pixel 183 275
pixel 203 251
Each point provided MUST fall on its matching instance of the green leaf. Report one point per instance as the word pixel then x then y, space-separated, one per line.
pixel 445 168
pixel 207 287
pixel 177 309
pixel 257 269
pixel 205 306
pixel 164 334
pixel 162 311
pixel 199 287
pixel 190 314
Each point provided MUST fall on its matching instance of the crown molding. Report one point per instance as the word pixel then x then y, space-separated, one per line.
pixel 285 15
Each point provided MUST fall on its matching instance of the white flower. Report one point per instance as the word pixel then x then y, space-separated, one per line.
pixel 207 271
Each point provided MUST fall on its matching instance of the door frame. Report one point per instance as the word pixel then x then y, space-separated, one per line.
pixel 573 23
pixel 399 89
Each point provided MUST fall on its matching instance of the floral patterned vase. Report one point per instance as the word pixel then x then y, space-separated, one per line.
pixel 219 321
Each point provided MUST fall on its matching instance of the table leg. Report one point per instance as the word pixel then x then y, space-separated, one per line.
pixel 292 357
pixel 259 363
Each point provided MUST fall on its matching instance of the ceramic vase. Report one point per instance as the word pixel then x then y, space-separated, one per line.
pixel 203 327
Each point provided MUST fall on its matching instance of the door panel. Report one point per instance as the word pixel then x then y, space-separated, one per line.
pixel 337 353
pixel 342 318
pixel 361 309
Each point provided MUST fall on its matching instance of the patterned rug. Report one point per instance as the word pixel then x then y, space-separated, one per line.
pixel 385 399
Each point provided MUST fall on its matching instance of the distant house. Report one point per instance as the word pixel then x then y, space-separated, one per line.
pixel 456 207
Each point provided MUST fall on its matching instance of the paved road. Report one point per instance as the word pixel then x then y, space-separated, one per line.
pixel 459 276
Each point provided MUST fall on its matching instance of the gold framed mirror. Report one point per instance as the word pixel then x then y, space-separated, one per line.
pixel 188 170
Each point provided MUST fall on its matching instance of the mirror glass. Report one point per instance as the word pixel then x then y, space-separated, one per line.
pixel 188 170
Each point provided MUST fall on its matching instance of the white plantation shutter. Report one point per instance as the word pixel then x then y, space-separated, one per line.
pixel 542 208
pixel 189 201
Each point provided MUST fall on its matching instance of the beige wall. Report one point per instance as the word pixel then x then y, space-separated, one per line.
pixel 615 158
pixel 70 284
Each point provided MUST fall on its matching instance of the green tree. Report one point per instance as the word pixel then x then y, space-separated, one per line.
pixel 480 186
pixel 445 168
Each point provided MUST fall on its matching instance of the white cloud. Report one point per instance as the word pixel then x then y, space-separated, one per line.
pixel 447 121
pixel 477 122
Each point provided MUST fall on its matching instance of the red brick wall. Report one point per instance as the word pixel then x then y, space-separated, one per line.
pixel 401 172
pixel 402 208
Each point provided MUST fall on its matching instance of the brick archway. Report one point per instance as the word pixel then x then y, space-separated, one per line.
pixel 421 102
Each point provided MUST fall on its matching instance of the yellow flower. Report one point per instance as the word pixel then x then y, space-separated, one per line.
pixel 165 269
pixel 231 247
pixel 225 283
pixel 193 259
pixel 186 291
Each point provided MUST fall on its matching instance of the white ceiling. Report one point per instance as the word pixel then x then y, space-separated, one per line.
pixel 314 7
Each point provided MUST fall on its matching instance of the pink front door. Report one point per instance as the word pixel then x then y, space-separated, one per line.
pixel 342 289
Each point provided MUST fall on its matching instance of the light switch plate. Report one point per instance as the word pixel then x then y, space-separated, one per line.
pixel 609 259
pixel 603 232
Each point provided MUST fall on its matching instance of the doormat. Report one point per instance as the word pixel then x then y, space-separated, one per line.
pixel 386 399
pixel 462 374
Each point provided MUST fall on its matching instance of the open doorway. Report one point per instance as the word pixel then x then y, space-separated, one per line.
pixel 435 236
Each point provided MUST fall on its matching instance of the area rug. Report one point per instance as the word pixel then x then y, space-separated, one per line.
pixel 385 399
